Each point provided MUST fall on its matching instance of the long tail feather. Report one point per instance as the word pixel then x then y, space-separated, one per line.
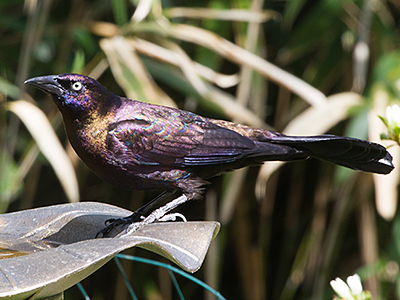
pixel 349 152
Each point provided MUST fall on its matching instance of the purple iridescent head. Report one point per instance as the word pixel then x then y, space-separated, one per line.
pixel 73 93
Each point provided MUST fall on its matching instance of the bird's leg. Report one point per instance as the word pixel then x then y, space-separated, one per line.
pixel 150 205
pixel 140 212
pixel 192 189
pixel 137 216
pixel 160 214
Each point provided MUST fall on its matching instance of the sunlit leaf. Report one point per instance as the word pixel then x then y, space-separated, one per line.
pixel 385 186
pixel 229 14
pixel 79 62
pixel 38 125
pixel 8 89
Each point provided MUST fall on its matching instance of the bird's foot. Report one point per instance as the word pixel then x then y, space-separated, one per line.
pixel 160 214
pixel 137 221
pixel 115 223
pixel 165 218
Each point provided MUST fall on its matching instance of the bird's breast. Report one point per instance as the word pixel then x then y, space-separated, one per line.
pixel 89 140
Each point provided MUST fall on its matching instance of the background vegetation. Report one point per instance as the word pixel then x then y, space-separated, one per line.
pixel 287 230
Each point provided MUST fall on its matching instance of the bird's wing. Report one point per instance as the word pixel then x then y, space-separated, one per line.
pixel 176 143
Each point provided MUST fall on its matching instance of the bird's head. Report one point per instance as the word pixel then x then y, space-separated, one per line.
pixel 75 95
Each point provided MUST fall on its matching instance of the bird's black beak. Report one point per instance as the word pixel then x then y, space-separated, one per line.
pixel 47 84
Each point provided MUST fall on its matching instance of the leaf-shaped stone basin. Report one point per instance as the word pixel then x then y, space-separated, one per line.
pixel 46 250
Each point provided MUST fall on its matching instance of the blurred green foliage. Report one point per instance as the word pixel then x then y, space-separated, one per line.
pixel 305 227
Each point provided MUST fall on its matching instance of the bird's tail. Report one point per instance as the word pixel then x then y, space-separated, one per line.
pixel 348 152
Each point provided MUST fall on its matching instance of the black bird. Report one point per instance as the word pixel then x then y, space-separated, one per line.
pixel 137 145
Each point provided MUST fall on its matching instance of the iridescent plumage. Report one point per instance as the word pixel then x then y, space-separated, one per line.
pixel 139 145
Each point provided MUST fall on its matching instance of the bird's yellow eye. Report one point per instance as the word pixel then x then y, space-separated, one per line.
pixel 77 86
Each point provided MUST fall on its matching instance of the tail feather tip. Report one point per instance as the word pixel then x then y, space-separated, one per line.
pixel 386 164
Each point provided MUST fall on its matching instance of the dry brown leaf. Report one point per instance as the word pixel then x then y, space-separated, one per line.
pixel 104 29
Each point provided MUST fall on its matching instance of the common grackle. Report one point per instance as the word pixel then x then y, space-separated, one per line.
pixel 137 145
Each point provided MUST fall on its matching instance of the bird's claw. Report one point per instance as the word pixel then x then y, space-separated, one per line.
pixel 110 221
pixel 104 232
pixel 137 225
pixel 172 217
pixel 114 223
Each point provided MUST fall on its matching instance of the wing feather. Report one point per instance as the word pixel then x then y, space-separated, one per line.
pixel 193 143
